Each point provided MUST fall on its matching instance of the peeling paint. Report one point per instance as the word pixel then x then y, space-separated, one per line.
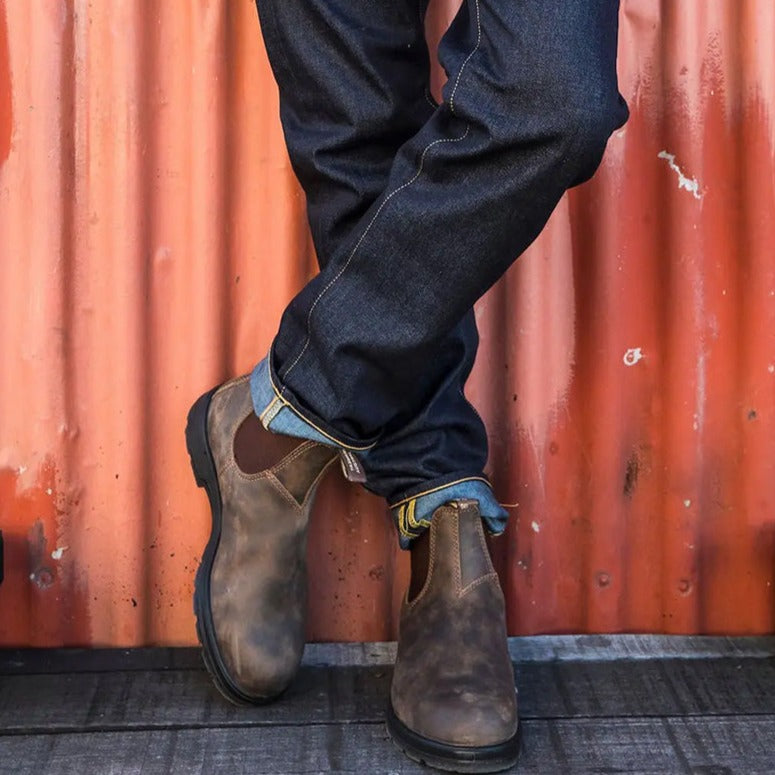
pixel 633 356
pixel 691 185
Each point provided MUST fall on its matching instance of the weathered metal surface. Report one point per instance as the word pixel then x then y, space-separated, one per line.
pixel 151 231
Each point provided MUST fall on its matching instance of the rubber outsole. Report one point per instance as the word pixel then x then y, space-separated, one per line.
pixel 452 758
pixel 203 466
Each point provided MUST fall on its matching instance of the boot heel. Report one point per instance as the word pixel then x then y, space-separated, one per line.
pixel 196 441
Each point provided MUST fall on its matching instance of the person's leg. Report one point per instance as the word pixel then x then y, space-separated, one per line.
pixel 368 356
pixel 359 100
pixel 354 88
pixel 364 348
pixel 491 160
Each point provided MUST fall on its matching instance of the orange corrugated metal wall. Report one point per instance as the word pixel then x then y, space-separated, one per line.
pixel 151 231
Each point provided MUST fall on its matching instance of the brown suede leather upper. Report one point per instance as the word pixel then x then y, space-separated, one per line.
pixel 453 681
pixel 258 581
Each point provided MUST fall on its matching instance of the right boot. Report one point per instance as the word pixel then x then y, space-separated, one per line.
pixel 453 703
pixel 251 585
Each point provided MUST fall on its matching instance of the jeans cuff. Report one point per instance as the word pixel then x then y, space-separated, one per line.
pixel 413 515
pixel 279 415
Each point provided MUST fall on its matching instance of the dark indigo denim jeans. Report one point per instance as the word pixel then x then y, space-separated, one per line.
pixel 416 209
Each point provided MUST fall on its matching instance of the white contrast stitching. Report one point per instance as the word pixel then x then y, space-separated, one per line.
pixel 468 58
pixel 363 237
pixel 392 194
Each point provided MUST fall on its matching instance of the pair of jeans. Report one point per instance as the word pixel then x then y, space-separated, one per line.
pixel 416 209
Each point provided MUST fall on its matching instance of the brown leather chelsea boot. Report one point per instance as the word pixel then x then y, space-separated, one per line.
pixel 453 701
pixel 251 585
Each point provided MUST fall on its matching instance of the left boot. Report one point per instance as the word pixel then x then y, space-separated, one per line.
pixel 453 701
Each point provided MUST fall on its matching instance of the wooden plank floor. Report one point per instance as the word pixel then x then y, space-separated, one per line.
pixel 589 704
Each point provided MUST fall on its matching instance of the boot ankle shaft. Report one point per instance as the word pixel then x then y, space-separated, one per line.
pixel 457 553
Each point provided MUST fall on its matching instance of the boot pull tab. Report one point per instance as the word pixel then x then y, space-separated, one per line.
pixel 351 467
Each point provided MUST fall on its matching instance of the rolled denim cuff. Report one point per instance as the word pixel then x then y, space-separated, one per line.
pixel 278 412
pixel 413 515
pixel 277 415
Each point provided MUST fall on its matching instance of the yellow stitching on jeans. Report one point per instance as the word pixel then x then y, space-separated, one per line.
pixel 468 58
pixel 416 524
pixel 266 411
pixel 401 525
pixel 337 442
pixel 363 237
pixel 440 487
pixel 410 514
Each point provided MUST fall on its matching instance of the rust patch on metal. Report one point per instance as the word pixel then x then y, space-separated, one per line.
pixel 42 602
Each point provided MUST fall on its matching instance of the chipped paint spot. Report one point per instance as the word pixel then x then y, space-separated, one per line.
pixel 771 368
pixel 58 552
pixel 536 527
pixel 691 185
pixel 633 356
pixel 42 578
pixel 687 503
pixel 49 491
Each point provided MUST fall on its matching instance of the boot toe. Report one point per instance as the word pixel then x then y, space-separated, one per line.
pixel 257 671
pixel 465 720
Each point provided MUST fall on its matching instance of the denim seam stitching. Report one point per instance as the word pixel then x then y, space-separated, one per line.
pixel 381 207
pixel 438 489
pixel 407 524
pixel 268 409
pixel 411 521
pixel 278 395
pixel 401 527
pixel 468 58
pixel 363 237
